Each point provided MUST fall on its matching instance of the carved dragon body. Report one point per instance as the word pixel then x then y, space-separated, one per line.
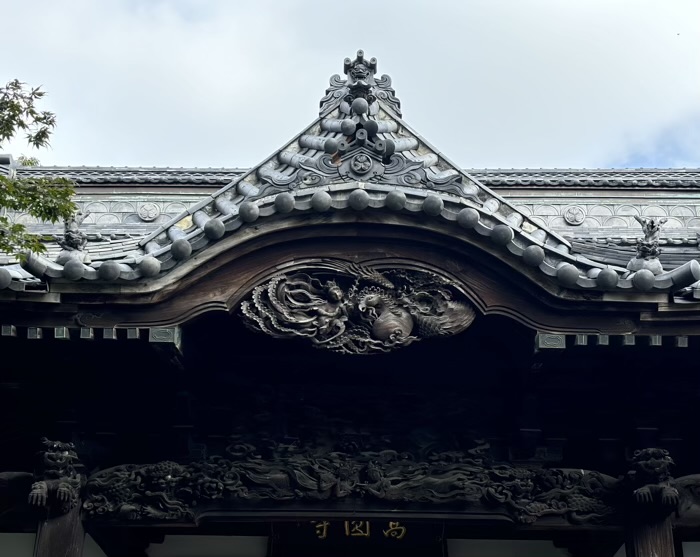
pixel 372 312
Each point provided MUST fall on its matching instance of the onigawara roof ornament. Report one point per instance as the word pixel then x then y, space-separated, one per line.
pixel 360 83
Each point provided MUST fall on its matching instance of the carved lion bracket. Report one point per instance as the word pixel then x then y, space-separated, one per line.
pixel 58 481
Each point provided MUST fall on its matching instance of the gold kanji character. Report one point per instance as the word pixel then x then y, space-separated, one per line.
pixel 395 531
pixel 321 528
pixel 357 528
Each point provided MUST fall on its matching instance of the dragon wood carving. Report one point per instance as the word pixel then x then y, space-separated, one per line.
pixel 359 311
pixel 462 479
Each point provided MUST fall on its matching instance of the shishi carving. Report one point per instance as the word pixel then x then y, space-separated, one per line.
pixel 74 240
pixel 648 247
pixel 58 488
pixel 364 313
pixel 652 468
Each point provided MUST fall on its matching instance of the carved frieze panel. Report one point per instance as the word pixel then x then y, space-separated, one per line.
pixel 355 309
pixel 318 471
pixel 272 471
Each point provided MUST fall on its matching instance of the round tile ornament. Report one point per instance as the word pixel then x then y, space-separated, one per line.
pixel 149 211
pixel 574 215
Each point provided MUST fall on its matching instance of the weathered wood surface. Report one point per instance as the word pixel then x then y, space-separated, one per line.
pixel 60 536
pixel 651 539
pixel 219 285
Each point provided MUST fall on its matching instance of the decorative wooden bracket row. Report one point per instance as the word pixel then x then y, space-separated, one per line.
pixel 562 341
pixel 168 335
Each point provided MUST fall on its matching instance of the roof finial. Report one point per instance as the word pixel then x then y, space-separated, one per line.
pixel 360 83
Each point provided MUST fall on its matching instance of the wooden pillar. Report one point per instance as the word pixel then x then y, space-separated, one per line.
pixel 650 538
pixel 60 536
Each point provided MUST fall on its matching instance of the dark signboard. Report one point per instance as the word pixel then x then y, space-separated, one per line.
pixel 357 537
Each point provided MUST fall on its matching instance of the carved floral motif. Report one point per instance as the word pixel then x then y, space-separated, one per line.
pixel 361 311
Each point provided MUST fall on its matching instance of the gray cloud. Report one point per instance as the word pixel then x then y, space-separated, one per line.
pixel 498 83
pixel 677 145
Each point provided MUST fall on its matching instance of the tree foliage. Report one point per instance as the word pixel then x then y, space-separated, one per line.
pixel 49 200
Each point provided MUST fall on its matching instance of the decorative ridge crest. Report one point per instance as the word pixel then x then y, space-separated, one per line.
pixel 360 83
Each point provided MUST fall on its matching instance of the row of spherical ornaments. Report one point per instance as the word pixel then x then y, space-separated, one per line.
pixel 501 234
pixel 485 221
pixel 5 278
pixel 110 271
pixel 432 204
pixel 127 269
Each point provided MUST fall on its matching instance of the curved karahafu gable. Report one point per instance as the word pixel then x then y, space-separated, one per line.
pixel 358 165
pixel 360 156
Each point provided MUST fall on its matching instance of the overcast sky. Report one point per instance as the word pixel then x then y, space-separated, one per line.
pixel 491 83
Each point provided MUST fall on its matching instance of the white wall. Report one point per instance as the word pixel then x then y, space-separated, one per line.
pixel 503 548
pixel 91 549
pixel 22 545
pixel 209 546
pixel 17 545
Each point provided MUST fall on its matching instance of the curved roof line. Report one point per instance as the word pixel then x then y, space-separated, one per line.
pixel 359 154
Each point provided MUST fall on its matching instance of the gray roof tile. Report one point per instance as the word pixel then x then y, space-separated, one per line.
pixel 492 177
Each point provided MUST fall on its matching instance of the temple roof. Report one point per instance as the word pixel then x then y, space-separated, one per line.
pixel 360 157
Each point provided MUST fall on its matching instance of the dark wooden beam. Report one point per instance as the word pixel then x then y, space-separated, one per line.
pixel 60 536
